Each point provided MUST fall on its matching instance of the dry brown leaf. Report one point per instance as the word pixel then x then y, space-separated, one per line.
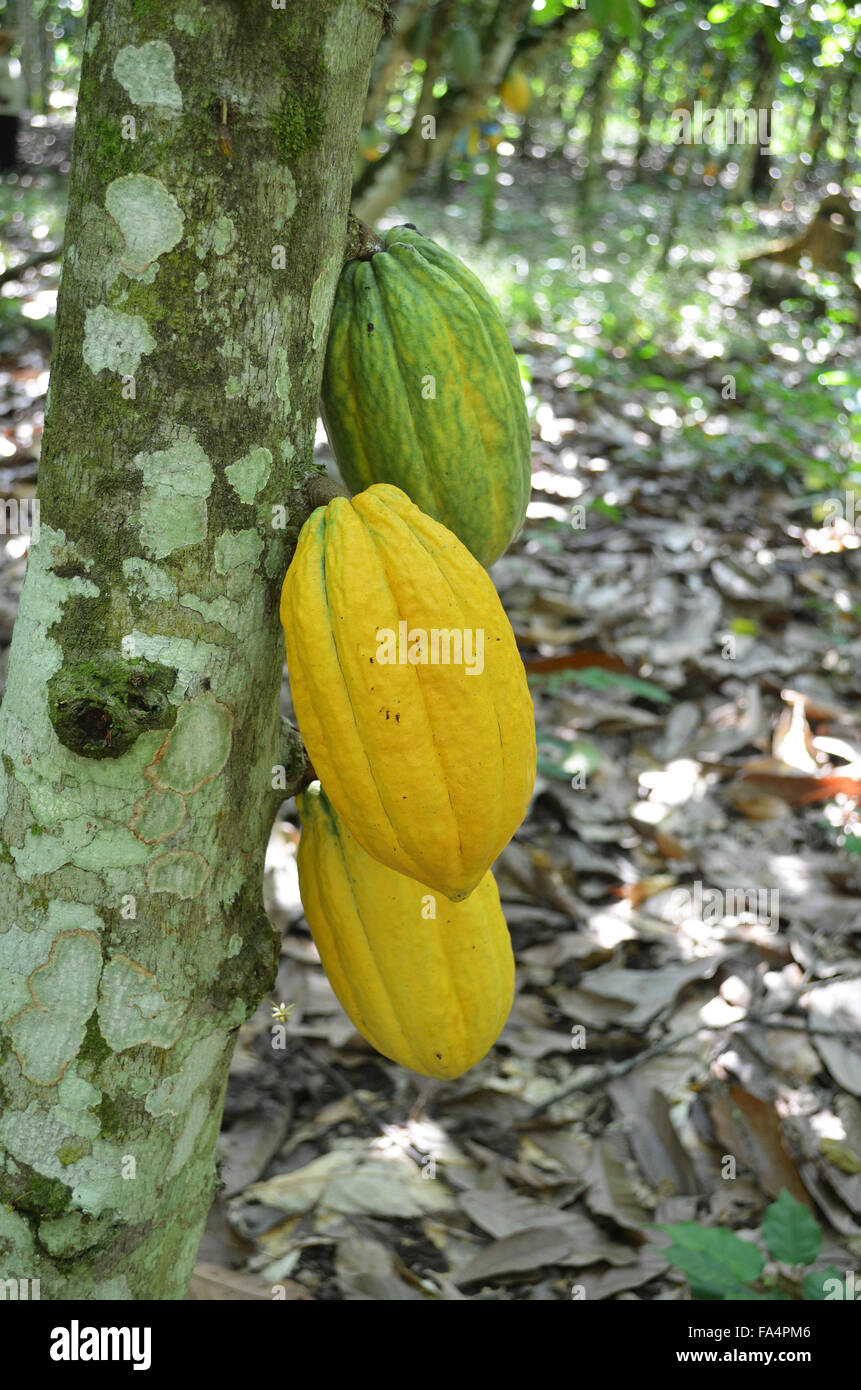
pixel 755 803
pixel 839 1006
pixel 750 1130
pixel 645 1114
pixel 611 1191
pixel 574 1242
pixel 367 1270
pixel 802 789
pixel 501 1212
pixel 211 1282
pixel 604 1282
pixel 250 1143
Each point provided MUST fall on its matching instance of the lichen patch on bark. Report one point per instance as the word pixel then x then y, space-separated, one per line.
pixel 190 658
pixel 224 611
pixel 186 22
pixel 181 872
pixel 218 237
pixel 148 217
pixel 250 474
pixel 115 340
pixel 148 581
pixel 46 1035
pixel 173 1095
pixel 176 484
pixel 197 747
pixel 158 815
pixel 112 848
pixel 146 73
pixel 133 1011
pixel 236 548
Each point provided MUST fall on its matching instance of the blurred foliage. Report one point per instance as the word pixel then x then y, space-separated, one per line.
pixel 48 42
pixel 740 388
pixel 629 279
pixel 748 377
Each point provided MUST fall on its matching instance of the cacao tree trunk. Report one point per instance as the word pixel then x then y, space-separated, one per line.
pixel 139 731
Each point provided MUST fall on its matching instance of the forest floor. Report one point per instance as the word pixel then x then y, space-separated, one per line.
pixel 684 897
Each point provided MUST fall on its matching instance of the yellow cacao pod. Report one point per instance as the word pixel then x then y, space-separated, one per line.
pixel 516 93
pixel 431 992
pixel 408 688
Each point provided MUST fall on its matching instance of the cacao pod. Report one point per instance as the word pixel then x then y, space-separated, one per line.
pixel 421 389
pixel 463 55
pixel 430 991
pixel 408 688
pixel 369 147
pixel 516 93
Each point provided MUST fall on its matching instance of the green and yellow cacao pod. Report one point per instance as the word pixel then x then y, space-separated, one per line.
pixel 408 688
pixel 421 389
pixel 428 982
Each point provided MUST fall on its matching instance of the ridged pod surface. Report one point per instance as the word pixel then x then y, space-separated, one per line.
pixel 432 993
pixel 421 389
pixel 430 766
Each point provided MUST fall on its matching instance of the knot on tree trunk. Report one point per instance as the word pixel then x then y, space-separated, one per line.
pixel 99 707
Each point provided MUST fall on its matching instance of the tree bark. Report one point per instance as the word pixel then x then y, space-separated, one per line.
pixel 140 730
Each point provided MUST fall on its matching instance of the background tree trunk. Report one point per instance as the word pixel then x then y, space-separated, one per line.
pixel 503 42
pixel 207 220
pixel 849 131
pixel 763 99
pixel 755 162
pixel 32 66
pixel 390 55
pixel 642 103
pixel 599 97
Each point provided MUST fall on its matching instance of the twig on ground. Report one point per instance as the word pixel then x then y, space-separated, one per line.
pixel 343 1084
pixel 757 1019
